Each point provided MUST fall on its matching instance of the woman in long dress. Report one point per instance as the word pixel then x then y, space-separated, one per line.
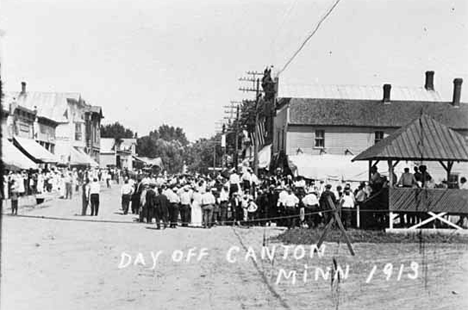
pixel 196 209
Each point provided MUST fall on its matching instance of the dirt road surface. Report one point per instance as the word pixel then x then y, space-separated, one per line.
pixel 54 258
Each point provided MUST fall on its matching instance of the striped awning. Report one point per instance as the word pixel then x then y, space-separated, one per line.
pixel 35 151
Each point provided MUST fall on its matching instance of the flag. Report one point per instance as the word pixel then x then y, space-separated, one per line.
pixel 259 134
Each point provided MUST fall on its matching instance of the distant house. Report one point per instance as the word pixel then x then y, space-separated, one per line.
pixel 93 116
pixel 118 153
pixel 345 120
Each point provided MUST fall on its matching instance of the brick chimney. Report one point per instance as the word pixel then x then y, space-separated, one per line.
pixel 23 88
pixel 386 93
pixel 429 80
pixel 457 85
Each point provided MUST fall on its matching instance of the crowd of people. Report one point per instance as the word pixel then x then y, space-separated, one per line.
pixel 236 198
pixel 232 197
pixel 54 181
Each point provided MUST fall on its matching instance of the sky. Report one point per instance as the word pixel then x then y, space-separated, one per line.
pixel 178 62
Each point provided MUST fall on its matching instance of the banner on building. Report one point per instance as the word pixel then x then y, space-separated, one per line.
pixel 223 141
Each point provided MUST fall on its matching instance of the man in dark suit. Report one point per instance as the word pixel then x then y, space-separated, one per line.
pixel 150 202
pixel 161 209
pixel 324 202
pixel 236 208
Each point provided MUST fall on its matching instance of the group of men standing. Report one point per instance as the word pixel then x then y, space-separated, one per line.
pixel 237 198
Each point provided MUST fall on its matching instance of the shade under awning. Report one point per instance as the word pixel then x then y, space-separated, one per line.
pixel 332 167
pixel 13 158
pixel 150 161
pixel 35 151
pixel 78 157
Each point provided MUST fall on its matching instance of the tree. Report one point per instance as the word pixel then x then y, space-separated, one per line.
pixel 116 131
pixel 167 142
pixel 171 133
pixel 199 155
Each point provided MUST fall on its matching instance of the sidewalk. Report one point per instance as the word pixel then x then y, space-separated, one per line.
pixel 30 201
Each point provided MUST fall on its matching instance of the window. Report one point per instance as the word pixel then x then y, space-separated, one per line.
pixel 379 135
pixel 78 134
pixel 320 138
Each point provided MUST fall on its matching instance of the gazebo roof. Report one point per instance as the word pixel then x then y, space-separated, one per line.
pixel 422 139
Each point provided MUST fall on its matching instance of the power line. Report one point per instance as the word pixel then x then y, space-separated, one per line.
pixel 310 36
pixel 283 22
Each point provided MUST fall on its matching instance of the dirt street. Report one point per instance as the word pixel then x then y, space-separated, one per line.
pixel 67 261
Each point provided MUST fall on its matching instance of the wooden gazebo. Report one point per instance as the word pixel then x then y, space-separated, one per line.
pixel 424 139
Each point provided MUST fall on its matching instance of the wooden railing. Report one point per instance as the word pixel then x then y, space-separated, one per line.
pixel 425 200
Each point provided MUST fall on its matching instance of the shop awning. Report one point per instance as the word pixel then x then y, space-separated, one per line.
pixel 331 167
pixel 14 159
pixel 78 157
pixel 35 151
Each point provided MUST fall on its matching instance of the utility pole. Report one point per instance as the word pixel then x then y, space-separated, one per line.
pixel 233 111
pixel 214 156
pixel 252 79
pixel 255 88
pixel 236 152
pixel 256 134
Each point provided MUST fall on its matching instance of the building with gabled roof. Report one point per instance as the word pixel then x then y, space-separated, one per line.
pixel 346 121
pixel 65 123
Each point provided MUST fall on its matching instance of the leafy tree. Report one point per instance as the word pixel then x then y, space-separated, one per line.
pixel 199 155
pixel 167 142
pixel 116 131
pixel 171 133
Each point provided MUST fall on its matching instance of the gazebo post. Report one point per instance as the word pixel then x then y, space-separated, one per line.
pixel 390 185
pixel 449 169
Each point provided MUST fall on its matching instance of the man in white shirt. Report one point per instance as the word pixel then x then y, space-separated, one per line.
pixel 290 202
pixel 347 206
pixel 234 183
pixel 94 191
pixel 208 202
pixel 185 201
pixel 223 204
pixel 311 205
pixel 126 191
pixel 174 201
pixel 280 205
pixel 247 180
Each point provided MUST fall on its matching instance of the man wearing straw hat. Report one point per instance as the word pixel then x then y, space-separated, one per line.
pixel 311 206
